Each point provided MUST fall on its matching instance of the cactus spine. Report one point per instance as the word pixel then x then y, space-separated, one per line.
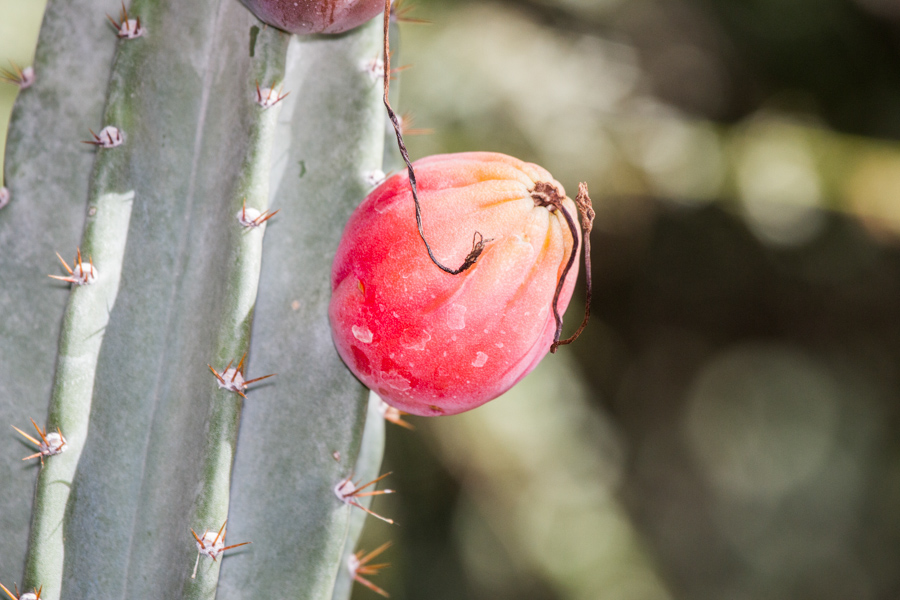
pixel 151 434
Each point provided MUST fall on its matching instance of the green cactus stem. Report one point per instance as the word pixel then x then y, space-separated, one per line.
pixel 152 436
pixel 330 145
pixel 47 171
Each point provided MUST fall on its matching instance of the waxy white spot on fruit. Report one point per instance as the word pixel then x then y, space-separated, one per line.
pixel 396 381
pixel 456 317
pixel 362 333
pixel 4 197
pixel 480 359
pixel 348 492
pixel 50 444
pixel 414 339
pixel 109 137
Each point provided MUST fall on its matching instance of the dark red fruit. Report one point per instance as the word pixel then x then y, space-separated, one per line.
pixel 315 16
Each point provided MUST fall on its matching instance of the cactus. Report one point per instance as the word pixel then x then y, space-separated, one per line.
pixel 219 122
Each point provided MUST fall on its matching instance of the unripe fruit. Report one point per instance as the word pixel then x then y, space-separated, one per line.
pixel 432 343
pixel 315 16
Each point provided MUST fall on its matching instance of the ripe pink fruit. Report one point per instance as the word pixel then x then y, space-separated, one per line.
pixel 315 16
pixel 432 343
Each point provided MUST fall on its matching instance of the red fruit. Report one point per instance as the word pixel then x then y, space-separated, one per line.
pixel 315 16
pixel 432 343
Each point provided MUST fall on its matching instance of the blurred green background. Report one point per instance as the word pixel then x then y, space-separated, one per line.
pixel 727 427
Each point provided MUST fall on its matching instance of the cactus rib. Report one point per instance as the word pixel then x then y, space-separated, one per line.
pixel 177 205
pixel 368 464
pixel 331 137
pixel 44 217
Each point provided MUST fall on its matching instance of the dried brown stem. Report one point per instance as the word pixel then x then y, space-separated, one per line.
pixel 478 243
pixel 586 210
pixel 546 194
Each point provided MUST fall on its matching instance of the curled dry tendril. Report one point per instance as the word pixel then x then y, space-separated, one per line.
pixel 479 242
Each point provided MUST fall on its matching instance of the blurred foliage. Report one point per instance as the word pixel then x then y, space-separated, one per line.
pixel 727 427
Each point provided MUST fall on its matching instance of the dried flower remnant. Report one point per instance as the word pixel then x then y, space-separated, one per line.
pixel 127 28
pixel 251 218
pixel 4 197
pixel 50 444
pixel 34 595
pixel 109 137
pixel 348 492
pixel 314 16
pixel 23 78
pixel 430 342
pixel 79 273
pixel 358 565
pixel 212 544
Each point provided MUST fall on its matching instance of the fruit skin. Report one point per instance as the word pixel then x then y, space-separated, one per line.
pixel 315 16
pixel 431 343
